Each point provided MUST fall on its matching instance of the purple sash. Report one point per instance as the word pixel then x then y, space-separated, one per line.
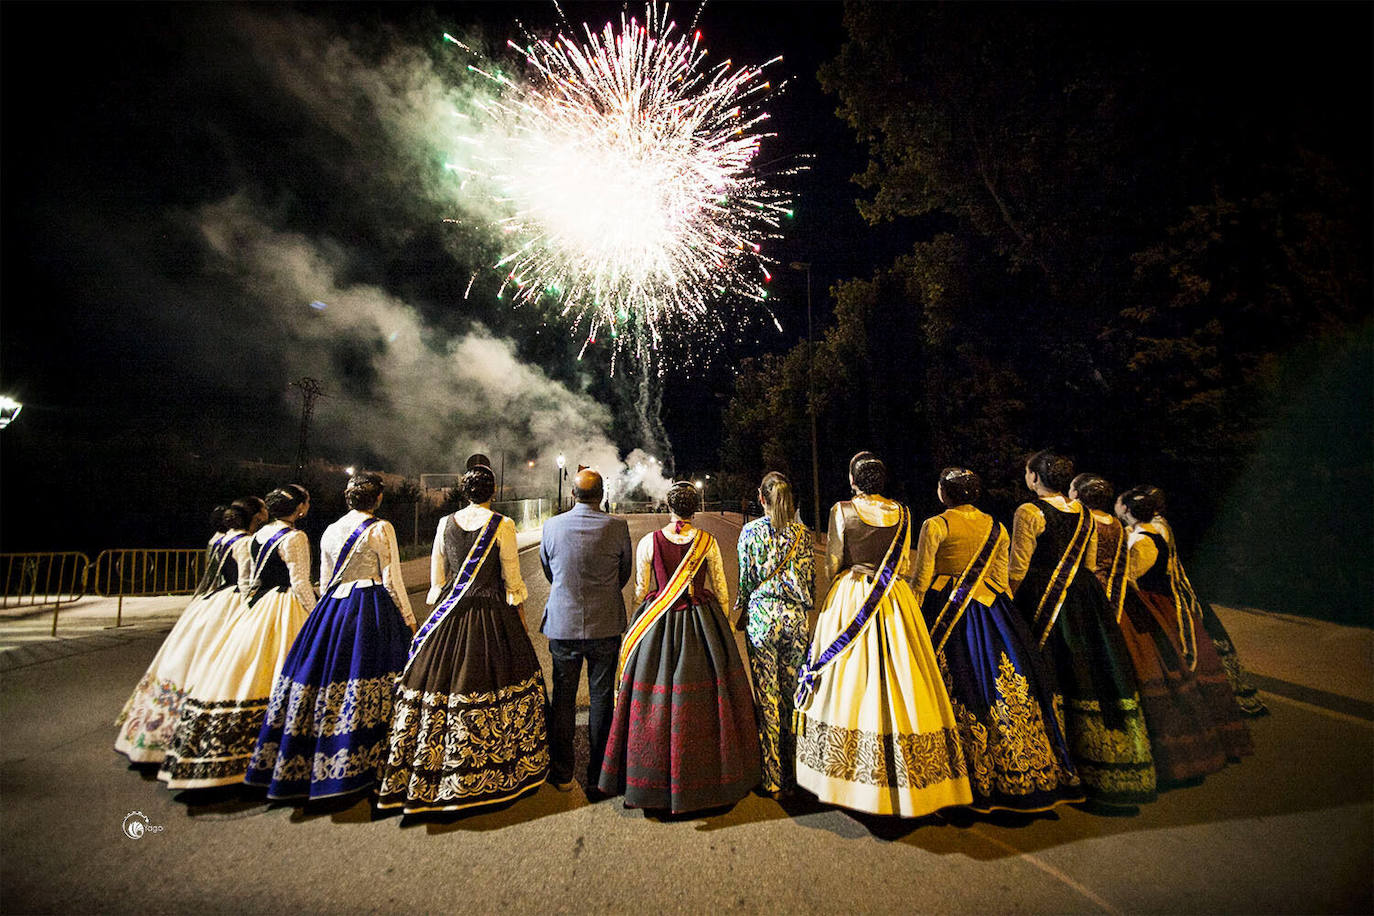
pixel 345 553
pixel 961 592
pixel 260 561
pixel 882 582
pixel 467 573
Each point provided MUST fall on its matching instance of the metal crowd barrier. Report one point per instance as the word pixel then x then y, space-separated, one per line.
pixel 38 579
pixel 142 572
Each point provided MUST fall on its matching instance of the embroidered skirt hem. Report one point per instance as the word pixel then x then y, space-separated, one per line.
pixel 1247 696
pixel 150 715
pixel 879 733
pixel 327 722
pixel 683 735
pixel 468 727
pixel 227 694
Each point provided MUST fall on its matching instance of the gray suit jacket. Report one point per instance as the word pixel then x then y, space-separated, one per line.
pixel 588 558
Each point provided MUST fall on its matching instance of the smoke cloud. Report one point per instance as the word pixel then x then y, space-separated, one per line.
pixel 401 388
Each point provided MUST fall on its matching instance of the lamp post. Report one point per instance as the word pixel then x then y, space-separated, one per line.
pixel 811 396
pixel 9 410
pixel 561 462
pixel 703 493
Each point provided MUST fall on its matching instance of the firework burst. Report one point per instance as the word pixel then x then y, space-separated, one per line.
pixel 627 167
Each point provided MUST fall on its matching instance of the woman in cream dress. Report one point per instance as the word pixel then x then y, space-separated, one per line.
pixel 150 716
pixel 229 684
pixel 876 730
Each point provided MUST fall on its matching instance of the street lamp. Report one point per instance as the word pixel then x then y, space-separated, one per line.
pixel 9 410
pixel 703 494
pixel 811 395
pixel 349 470
pixel 561 462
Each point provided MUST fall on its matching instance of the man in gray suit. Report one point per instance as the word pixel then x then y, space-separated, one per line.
pixel 587 556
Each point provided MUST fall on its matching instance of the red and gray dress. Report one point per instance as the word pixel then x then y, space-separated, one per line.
pixel 1196 724
pixel 683 735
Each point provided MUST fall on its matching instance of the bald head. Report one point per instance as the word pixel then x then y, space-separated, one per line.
pixel 587 487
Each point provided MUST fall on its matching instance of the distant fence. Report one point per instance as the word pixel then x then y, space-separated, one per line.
pixel 143 572
pixel 40 579
pixel 63 577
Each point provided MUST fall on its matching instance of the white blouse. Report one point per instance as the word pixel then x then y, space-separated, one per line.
pixel 374 560
pixel 472 518
pixel 644 565
pixel 294 549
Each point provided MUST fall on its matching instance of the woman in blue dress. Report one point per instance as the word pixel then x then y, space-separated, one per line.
pixel 1003 693
pixel 330 710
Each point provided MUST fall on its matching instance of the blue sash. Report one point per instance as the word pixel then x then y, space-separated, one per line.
pixel 260 561
pixel 220 554
pixel 887 575
pixel 345 553
pixel 467 574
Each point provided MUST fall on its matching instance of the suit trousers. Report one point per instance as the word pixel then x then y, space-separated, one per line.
pixel 601 656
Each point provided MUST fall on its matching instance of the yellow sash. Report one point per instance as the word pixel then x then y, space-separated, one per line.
pixel 667 597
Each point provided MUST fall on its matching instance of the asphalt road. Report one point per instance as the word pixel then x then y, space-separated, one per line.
pixel 1288 830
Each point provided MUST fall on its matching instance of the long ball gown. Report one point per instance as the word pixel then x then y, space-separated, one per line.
pixel 230 683
pixel 150 716
pixel 330 711
pixel 1003 694
pixel 469 725
pixel 1183 742
pixel 777 572
pixel 683 736
pixel 1161 595
pixel 878 734
pixel 1107 733
pixel 1247 696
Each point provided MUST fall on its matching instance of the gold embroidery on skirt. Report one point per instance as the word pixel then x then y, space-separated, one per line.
pixel 455 747
pixel 1111 759
pixel 343 764
pixel 1010 752
pixel 919 760
pixel 334 709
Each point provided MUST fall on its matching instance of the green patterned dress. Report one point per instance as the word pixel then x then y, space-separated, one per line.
pixel 777 573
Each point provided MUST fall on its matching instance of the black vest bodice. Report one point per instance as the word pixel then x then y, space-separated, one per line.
pixel 457 542
pixel 1053 541
pixel 1156 578
pixel 229 572
pixel 275 573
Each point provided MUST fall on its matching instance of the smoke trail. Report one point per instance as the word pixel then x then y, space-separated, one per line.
pixel 398 388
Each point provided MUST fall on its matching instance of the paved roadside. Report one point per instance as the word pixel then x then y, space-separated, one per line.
pixel 1290 829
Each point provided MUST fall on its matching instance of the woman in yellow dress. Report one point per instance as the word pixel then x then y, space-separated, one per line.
pixel 876 730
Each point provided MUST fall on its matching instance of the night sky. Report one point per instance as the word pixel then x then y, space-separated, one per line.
pixel 182 181
pixel 181 127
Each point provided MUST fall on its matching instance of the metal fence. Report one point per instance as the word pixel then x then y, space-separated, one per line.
pixel 40 579
pixel 141 572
